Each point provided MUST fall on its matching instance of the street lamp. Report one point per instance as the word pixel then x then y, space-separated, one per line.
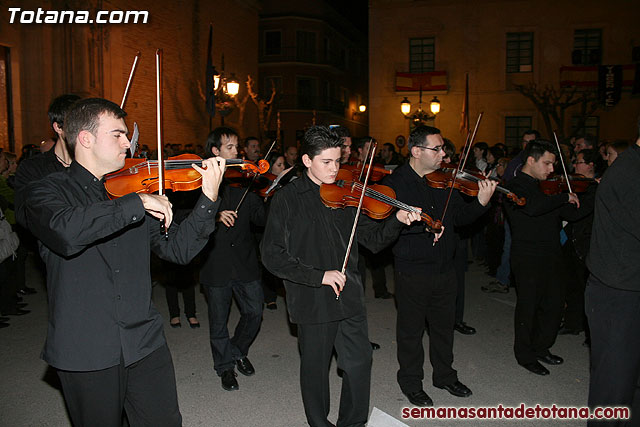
pixel 420 116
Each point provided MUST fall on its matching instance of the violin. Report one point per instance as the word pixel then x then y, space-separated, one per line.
pixel 378 172
pixel 466 182
pixel 141 175
pixel 243 177
pixel 558 184
pixel 378 202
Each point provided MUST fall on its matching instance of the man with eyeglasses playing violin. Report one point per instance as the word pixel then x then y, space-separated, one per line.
pixel 105 336
pixel 425 275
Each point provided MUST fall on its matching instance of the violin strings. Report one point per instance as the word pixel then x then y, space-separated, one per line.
pixel 384 198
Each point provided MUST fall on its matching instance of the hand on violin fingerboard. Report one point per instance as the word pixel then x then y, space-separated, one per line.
pixel 157 206
pixel 573 198
pixel 228 218
pixel 486 188
pixel 407 217
pixel 212 173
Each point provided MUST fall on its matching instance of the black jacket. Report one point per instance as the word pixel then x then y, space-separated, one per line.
pixel 414 251
pixel 303 238
pixel 231 252
pixel 614 257
pixel 535 227
pixel 97 252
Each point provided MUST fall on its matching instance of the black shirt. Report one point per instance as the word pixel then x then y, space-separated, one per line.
pixel 414 251
pixel 535 227
pixel 231 252
pixel 97 253
pixel 30 170
pixel 614 257
pixel 303 238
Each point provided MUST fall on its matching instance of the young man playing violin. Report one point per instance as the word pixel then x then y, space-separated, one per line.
pixel 425 277
pixel 105 336
pixel 305 243
pixel 536 257
pixel 231 268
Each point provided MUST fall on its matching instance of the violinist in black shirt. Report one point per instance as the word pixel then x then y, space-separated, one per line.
pixel 304 243
pixel 536 257
pixel 105 336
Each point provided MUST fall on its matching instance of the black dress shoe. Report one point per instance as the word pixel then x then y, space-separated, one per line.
pixel 4 325
pixel 386 295
pixel 16 312
pixel 175 324
pixel 272 305
pixel 27 291
pixel 229 381
pixel 551 359
pixel 245 367
pixel 536 368
pixel 419 398
pixel 464 329
pixel 22 304
pixel 4 319
pixel 457 389
pixel 375 345
pixel 193 325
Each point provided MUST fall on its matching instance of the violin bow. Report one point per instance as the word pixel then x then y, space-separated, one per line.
pixel 373 146
pixel 246 191
pixel 126 89
pixel 366 155
pixel 564 169
pixel 465 151
pixel 159 130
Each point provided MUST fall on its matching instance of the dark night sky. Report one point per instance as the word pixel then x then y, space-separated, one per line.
pixel 355 11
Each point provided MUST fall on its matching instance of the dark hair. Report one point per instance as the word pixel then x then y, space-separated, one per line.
pixel 317 139
pixel 215 138
pixel 618 145
pixel 85 115
pixel 449 149
pixel 591 155
pixel 497 152
pixel 59 108
pixel 390 146
pixel 590 140
pixel 247 139
pixel 360 142
pixel 419 136
pixel 484 147
pixel 272 157
pixel 531 132
pixel 537 148
pixel 342 131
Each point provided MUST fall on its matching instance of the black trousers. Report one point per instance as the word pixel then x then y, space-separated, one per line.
pixel 460 263
pixel 376 262
pixel 145 389
pixel 574 315
pixel 431 299
pixel 189 297
pixel 540 292
pixel 614 321
pixel 350 339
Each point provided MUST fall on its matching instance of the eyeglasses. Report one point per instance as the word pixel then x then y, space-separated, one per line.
pixel 577 163
pixel 434 149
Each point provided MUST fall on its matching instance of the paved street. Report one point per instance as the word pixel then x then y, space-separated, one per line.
pixel 485 363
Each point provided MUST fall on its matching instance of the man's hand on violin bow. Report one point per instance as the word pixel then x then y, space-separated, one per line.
pixel 486 189
pixel 157 206
pixel 228 218
pixel 573 198
pixel 212 173
pixel 407 217
pixel 335 279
